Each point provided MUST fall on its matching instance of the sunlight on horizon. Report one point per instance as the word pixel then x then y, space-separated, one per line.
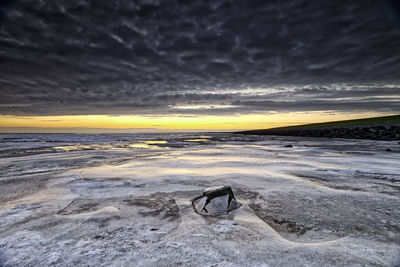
pixel 136 123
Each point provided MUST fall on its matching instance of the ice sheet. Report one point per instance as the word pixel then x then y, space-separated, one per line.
pixel 115 200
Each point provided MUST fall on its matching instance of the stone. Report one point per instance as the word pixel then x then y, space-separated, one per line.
pixel 288 146
pixel 215 201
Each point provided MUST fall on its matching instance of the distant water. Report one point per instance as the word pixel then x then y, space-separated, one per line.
pixel 28 144
pixel 12 145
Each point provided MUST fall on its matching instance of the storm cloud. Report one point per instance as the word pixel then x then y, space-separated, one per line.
pixel 198 57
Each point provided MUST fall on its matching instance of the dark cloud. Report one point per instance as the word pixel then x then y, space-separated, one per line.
pixel 148 57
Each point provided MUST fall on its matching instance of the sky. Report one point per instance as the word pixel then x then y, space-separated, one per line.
pixel 178 65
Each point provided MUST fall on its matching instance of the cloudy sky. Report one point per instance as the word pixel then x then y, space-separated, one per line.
pixel 179 64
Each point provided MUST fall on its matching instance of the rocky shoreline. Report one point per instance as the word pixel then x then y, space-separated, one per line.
pixel 374 132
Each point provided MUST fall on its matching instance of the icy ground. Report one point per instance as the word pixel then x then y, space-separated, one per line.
pixel 124 200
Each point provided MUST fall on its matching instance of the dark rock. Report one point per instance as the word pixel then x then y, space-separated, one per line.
pixel 375 132
pixel 215 201
pixel 288 146
pixel 388 150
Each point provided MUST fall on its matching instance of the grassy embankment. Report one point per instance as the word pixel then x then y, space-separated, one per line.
pixel 394 119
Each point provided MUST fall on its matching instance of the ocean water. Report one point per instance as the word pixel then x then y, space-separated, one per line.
pixel 118 199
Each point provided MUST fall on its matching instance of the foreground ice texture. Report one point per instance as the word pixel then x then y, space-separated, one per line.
pixel 124 200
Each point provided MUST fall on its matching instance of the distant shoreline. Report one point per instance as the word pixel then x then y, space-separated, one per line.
pixel 378 128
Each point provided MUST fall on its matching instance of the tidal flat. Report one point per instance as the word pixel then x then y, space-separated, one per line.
pixel 124 200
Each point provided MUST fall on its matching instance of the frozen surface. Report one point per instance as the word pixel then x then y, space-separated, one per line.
pixel 115 200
